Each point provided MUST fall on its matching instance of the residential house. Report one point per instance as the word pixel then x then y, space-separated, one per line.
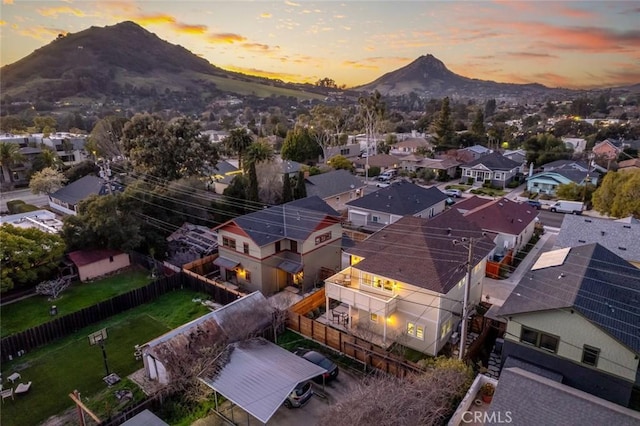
pixel 336 188
pixel 621 237
pixel 518 155
pixel 222 175
pixel 578 145
pixel 608 149
pixel 470 203
pixel 66 199
pixel 390 204
pixel 512 224
pixel 560 173
pixel 440 166
pixel 633 164
pixel 576 312
pixel 43 220
pixel 234 322
pixel 494 168
pixel 96 263
pixel 413 145
pixel 350 150
pixel 476 151
pixel 290 245
pixel 382 161
pixel 406 282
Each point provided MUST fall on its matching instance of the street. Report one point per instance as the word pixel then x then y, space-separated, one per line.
pixel 25 195
pixel 550 219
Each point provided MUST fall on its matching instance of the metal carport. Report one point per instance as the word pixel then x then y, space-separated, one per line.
pixel 257 376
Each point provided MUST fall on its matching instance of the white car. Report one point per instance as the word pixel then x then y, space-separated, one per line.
pixel 453 193
pixel 382 184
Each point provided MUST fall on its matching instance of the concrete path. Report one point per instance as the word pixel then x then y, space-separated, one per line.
pixel 498 290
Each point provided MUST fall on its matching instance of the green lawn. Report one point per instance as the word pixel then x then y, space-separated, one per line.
pixel 72 363
pixel 492 192
pixel 33 311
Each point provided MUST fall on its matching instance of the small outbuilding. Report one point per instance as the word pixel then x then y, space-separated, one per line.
pixel 96 263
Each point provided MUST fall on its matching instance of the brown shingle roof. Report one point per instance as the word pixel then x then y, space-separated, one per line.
pixel 85 257
pixel 503 215
pixel 421 252
pixel 471 203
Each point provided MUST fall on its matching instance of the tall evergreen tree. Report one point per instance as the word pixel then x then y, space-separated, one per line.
pixel 252 191
pixel 300 191
pixel 444 125
pixel 287 191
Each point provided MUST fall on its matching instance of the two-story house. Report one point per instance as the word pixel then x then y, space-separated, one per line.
pixel 289 245
pixel 336 188
pixel 607 149
pixel 388 205
pixel 512 223
pixel 494 168
pixel 577 313
pixel 406 282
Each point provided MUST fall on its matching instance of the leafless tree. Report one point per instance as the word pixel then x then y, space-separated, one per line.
pixel 281 302
pixel 426 399
pixel 53 288
pixel 269 181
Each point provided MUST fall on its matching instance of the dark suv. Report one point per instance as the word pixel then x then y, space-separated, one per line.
pixel 535 203
pixel 299 396
pixel 321 360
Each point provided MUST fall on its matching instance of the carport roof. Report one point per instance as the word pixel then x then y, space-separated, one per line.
pixel 258 375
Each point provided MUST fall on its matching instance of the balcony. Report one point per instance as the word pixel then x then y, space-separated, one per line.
pixel 341 287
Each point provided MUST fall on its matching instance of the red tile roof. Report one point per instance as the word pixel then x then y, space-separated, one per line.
pixel 85 257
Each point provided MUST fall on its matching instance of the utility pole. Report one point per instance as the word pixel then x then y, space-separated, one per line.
pixel 467 289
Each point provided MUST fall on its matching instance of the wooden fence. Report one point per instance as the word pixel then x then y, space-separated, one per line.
pixel 493 268
pixel 63 326
pixel 366 352
pixel 309 303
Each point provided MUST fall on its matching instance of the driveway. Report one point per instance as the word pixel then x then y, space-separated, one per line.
pixel 310 414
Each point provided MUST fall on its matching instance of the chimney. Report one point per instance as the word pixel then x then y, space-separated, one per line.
pixel 306 174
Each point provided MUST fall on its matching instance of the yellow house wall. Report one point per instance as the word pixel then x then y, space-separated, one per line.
pixel 574 332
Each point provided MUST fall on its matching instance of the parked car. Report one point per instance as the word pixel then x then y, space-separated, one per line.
pixel 453 193
pixel 384 178
pixel 300 395
pixel 449 201
pixel 321 360
pixel 564 206
pixel 382 184
pixel 535 203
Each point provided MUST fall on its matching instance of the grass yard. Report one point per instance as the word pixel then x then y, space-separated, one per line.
pixel 492 192
pixel 60 368
pixel 33 311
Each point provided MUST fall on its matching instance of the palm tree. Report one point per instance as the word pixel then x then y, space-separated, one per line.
pixel 258 152
pixel 47 158
pixel 238 141
pixel 9 155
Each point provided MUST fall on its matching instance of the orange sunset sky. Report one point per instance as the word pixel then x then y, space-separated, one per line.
pixel 560 44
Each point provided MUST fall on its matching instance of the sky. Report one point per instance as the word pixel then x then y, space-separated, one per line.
pixel 571 44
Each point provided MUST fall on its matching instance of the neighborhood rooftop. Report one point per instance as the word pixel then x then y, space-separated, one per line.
pixel 332 183
pixel 400 198
pixel 502 215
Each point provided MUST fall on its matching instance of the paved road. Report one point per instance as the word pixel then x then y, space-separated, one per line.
pixel 24 195
pixel 551 219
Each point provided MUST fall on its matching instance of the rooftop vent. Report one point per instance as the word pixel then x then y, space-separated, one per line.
pixel 626 226
pixel 622 248
pixel 582 241
pixel 602 233
pixel 588 220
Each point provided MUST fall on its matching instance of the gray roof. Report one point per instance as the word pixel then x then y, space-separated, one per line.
pixel 565 164
pixel 290 167
pixel 222 168
pixel 83 188
pixel 599 284
pixel 534 400
pixel 573 175
pixel 532 368
pixel 493 161
pixel 332 183
pixel 295 220
pixel 622 238
pixel 145 418
pixel 258 375
pixel 400 198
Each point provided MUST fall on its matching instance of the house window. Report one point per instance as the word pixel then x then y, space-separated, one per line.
pixel 499 175
pixel 374 317
pixel 374 219
pixel 415 330
pixel 247 276
pixel 245 248
pixel 323 237
pixel 110 258
pixel 277 246
pixel 535 184
pixel 229 242
pixel 445 328
pixel 294 246
pixel 419 332
pixel 468 172
pixel 411 329
pixel 590 355
pixel 539 339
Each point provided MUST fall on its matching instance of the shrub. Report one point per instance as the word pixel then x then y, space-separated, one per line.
pixel 470 181
pixel 488 389
pixel 19 206
pixel 513 184
pixel 545 197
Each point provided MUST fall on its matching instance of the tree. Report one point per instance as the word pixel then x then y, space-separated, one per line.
pixel 253 193
pixel 477 128
pixel 287 191
pixel 172 150
pixel 9 155
pixel 340 162
pixel 105 138
pixel 27 255
pixel 619 194
pixel 46 159
pixel 299 146
pixel 238 141
pixel 371 110
pixel 46 181
pixel 107 221
pixel 300 190
pixel 427 398
pixel 53 288
pixel 44 124
pixel 443 126
pixel 325 124
pixel 574 192
pixel 490 108
pixel 258 152
pixel 81 170
pixel 544 148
